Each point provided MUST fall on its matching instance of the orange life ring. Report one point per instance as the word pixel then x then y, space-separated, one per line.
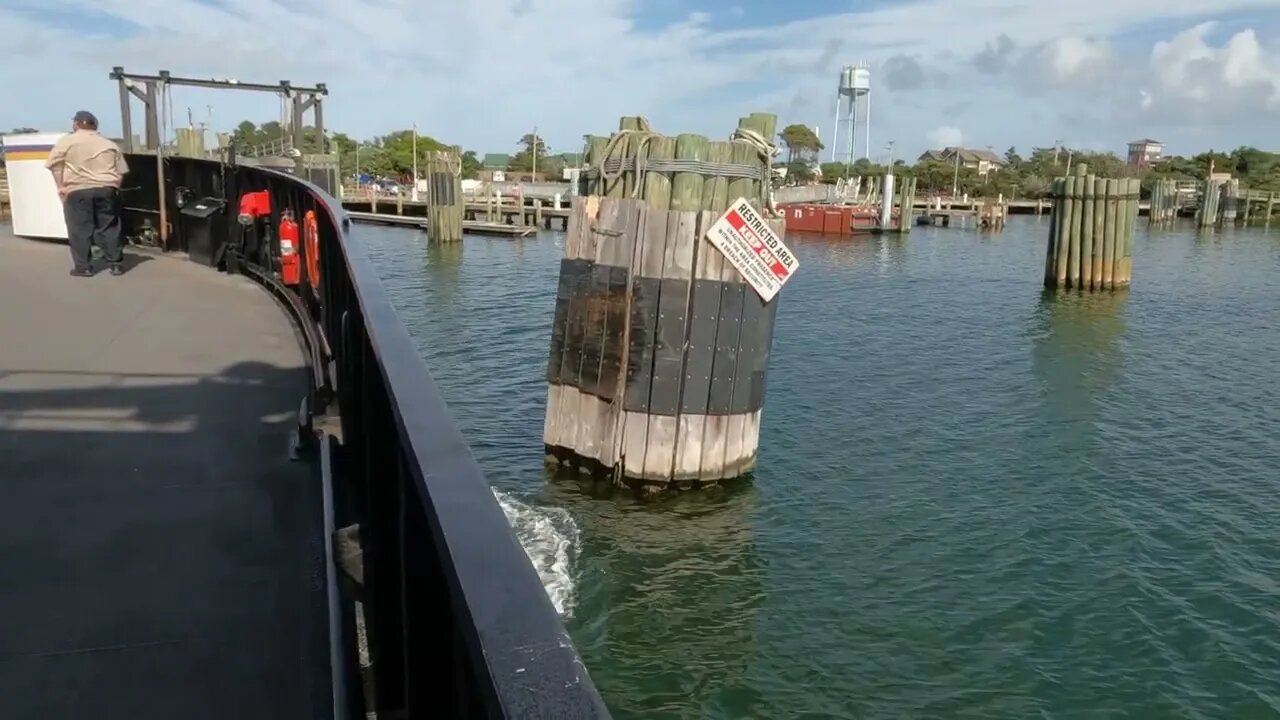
pixel 311 236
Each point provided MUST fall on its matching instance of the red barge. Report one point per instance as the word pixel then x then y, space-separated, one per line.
pixel 834 219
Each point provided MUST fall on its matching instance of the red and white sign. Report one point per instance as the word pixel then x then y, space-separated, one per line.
pixel 746 240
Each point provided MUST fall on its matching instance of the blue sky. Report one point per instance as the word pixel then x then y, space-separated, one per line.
pixel 1091 73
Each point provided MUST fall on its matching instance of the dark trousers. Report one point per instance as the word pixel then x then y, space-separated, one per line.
pixel 93 218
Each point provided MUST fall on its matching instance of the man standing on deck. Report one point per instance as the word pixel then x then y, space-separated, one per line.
pixel 88 170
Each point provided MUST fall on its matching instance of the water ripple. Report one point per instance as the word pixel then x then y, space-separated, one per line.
pixel 973 499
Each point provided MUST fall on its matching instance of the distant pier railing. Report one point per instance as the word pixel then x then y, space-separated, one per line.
pixel 435 585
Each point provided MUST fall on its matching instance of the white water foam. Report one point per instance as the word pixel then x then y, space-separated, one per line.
pixel 549 537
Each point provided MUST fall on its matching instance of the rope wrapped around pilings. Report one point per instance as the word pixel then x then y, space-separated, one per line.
pixel 624 164
pixel 613 167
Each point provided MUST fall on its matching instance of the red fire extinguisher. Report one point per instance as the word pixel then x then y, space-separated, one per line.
pixel 289 265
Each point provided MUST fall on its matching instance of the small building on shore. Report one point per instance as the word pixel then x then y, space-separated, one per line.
pixel 1145 152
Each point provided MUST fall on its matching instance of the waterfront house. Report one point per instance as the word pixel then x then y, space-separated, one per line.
pixel 982 162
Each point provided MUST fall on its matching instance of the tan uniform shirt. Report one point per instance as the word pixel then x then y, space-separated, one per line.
pixel 87 160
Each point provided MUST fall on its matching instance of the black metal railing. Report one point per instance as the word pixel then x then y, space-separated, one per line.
pixel 456 618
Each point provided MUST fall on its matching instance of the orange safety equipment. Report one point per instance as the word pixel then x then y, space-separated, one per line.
pixel 311 234
pixel 289 267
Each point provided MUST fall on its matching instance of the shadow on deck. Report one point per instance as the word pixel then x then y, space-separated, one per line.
pixel 163 557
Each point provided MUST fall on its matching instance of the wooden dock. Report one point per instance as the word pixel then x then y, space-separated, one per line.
pixel 531 212
pixel 477 227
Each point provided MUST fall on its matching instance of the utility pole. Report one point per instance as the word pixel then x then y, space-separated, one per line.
pixel 1057 146
pixel 890 165
pixel 955 176
pixel 533 149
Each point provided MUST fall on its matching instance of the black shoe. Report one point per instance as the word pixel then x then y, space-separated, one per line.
pixel 117 270
pixel 76 272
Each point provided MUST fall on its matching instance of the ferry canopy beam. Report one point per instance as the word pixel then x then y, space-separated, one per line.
pixel 118 73
pixel 301 98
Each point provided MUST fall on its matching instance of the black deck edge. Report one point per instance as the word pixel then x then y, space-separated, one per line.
pixel 517 639
pixel 489 617
pixel 337 668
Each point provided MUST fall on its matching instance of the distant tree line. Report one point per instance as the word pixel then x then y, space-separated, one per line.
pixel 391 155
pixel 1032 176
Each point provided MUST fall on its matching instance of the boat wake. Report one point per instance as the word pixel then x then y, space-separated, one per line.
pixel 549 537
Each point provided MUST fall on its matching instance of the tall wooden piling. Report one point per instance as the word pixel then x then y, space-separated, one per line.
pixel 1090 232
pixel 592 156
pixel 1111 229
pixel 1055 235
pixel 906 202
pixel 1123 273
pixel 715 189
pixel 1210 203
pixel 445 201
pixel 659 347
pixel 744 154
pixel 1076 186
pixel 1099 232
pixel 1086 234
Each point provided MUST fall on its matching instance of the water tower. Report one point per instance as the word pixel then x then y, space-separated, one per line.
pixel 854 95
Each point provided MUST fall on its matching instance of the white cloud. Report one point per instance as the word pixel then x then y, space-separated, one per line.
pixel 483 72
pixel 1072 58
pixel 946 136
pixel 1187 68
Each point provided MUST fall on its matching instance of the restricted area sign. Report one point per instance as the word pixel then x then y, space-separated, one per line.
pixel 748 243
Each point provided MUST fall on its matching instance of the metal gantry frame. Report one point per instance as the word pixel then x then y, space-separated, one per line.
pixel 150 90
pixel 301 99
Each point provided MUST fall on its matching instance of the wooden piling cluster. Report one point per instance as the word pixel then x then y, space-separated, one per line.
pixel 656 374
pixel 1091 232
pixel 190 142
pixel 444 196
pixel 1163 202
pixel 1230 205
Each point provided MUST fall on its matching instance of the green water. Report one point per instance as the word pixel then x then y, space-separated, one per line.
pixel 973 499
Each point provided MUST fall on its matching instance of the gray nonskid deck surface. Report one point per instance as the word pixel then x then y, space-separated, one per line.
pixel 160 553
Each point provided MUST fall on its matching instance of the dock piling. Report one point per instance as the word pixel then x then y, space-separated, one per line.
pixel 1163 202
pixel 1112 228
pixel 1086 234
pixel 444 196
pixel 1210 202
pixel 1099 231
